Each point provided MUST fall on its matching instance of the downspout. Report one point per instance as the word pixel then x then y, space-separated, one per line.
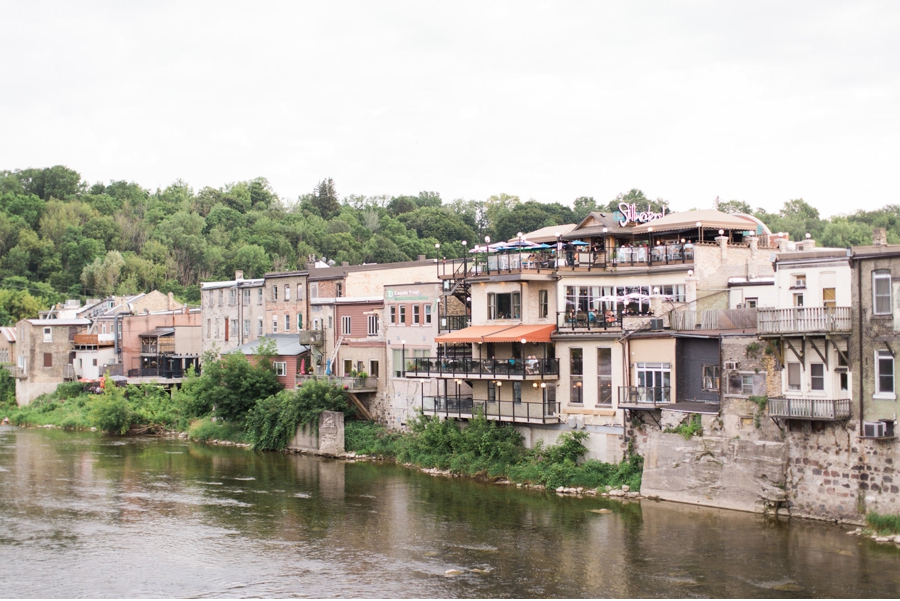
pixel 859 335
pixel 116 337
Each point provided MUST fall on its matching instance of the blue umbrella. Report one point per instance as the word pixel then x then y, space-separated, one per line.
pixel 578 243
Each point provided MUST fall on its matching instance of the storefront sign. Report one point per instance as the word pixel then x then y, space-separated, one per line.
pixel 630 214
pixel 409 294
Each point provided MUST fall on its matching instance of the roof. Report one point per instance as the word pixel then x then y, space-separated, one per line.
pixel 158 332
pixel 59 322
pixel 339 271
pixel 471 334
pixel 286 345
pixel 711 219
pixel 597 224
pixel 875 250
pixel 8 333
pixel 546 234
pixel 529 333
pixel 231 283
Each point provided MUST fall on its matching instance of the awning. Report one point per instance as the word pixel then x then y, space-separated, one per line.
pixel 158 332
pixel 471 334
pixel 709 219
pixel 518 333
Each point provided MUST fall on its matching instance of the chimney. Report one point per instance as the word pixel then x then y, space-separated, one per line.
pixel 171 301
pixel 310 260
pixel 421 258
pixel 782 244
pixel 238 275
pixel 879 236
pixel 345 263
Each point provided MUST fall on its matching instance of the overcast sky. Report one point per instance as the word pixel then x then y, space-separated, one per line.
pixel 756 101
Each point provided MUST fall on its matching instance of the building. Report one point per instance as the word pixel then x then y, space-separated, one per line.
pixel 161 346
pixel 286 302
pixel 289 360
pixel 234 312
pixel 7 347
pixel 44 355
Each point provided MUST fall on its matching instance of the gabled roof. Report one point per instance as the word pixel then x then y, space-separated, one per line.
pixel 711 219
pixel 8 333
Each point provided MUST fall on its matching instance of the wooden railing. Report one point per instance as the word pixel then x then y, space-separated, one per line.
pixel 810 409
pixel 803 320
pixel 645 395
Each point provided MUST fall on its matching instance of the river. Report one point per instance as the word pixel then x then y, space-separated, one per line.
pixel 85 515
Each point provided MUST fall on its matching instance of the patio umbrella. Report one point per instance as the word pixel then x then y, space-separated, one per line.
pixel 637 296
pixel 578 243
pixel 610 299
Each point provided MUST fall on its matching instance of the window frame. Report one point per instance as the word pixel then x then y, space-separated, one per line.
pixel 711 377
pixel 48 334
pixel 877 276
pixel 280 368
pixel 816 381
pixel 287 322
pixel 798 387
pixel 416 315
pixel 370 320
pixel 427 312
pixel 346 325
pixel 884 355
pixel 543 304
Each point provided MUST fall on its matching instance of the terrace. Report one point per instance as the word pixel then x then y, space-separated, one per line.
pixel 809 409
pixel 490 369
pixel 803 320
pixel 465 407
pixel 348 383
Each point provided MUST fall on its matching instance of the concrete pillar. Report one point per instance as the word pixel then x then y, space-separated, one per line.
pixel 723 245
pixel 752 268
pixel 690 291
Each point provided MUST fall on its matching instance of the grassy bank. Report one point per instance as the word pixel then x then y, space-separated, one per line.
pixel 490 450
pixel 883 524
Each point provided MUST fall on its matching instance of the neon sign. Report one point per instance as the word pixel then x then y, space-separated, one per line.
pixel 630 214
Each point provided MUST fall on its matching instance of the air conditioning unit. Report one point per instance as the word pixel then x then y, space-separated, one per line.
pixel 656 324
pixel 732 365
pixel 875 429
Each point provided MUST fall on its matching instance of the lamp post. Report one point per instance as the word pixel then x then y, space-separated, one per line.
pixel 403 356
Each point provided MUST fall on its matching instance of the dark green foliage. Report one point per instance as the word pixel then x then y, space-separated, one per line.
pixel 110 411
pixel 688 428
pixel 273 421
pixel 206 429
pixel 7 388
pixel 883 524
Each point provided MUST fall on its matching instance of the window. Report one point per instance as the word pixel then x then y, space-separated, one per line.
pixel 299 292
pixel 274 324
pixel 246 327
pixel 711 378
pixel 393 314
pixel 287 322
pixel 259 296
pixel 415 314
pixel 817 376
pixel 373 325
pixel 94 362
pixel 397 362
pixel 402 314
pixel 299 321
pixel 274 293
pixel 881 292
pixel 517 392
pixel 221 297
pixel 746 384
pixel 287 293
pixel 314 290
pixel 492 392
pixel 654 381
pixel 543 303
pixel 259 326
pixel 751 303
pixel 884 374
pixel 828 297
pixel 798 299
pixel 48 359
pixel 208 327
pixel 330 322
pixel 793 370
pixel 280 368
pixel 798 280
pixel 604 376
pixel 246 296
pixel 576 369
pixel 232 296
pixel 345 324
pixel 339 289
pixel 348 366
pixel 504 306
pixel 373 369
pixel 48 334
pixel 427 314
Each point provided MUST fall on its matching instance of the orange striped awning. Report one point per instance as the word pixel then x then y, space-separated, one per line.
pixel 518 333
pixel 471 334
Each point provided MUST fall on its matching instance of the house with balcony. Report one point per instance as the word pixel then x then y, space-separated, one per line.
pixel 161 346
pixel 809 332
pixel 875 338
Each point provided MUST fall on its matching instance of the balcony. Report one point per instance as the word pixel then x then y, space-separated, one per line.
pixel 348 383
pixel 508 369
pixel 157 372
pixel 803 320
pixel 645 396
pixel 452 323
pixel 465 407
pixel 164 347
pixel 810 409
pixel 585 322
pixel 94 340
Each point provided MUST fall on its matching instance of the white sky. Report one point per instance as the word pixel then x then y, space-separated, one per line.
pixel 756 101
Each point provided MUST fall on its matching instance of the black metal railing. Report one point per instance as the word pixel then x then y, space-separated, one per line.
pixel 497 368
pixel 645 395
pixel 451 323
pixel 156 372
pixel 588 320
pixel 809 409
pixel 466 407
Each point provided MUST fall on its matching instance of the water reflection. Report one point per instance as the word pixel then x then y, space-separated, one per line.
pixel 101 517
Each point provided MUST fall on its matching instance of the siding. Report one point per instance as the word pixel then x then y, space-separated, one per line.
pixel 692 354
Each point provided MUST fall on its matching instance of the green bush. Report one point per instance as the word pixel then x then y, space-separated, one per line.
pixel 689 428
pixel 110 411
pixel 205 429
pixel 368 438
pixel 273 421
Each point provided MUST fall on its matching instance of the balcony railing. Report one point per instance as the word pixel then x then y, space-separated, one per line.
pixel 651 396
pixel 810 409
pixel 156 372
pixel 492 368
pixel 587 321
pixel 163 348
pixel 466 407
pixel 798 320
pixel 349 383
pixel 451 323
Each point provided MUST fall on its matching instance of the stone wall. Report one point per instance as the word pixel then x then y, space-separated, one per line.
pixel 329 440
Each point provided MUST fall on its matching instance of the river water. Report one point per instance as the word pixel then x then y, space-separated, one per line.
pixel 84 515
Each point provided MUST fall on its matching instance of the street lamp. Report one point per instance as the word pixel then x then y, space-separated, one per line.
pixel 700 231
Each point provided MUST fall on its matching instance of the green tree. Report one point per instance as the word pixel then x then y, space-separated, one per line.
pixel 325 199
pixel 102 275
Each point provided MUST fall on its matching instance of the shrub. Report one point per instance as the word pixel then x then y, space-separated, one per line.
pixel 688 428
pixel 368 438
pixel 883 524
pixel 205 429
pixel 273 421
pixel 110 411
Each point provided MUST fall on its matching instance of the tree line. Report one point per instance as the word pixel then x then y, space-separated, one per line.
pixel 61 237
